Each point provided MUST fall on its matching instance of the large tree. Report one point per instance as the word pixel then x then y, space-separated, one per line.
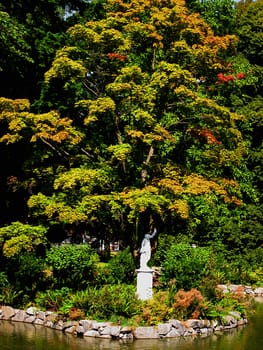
pixel 140 135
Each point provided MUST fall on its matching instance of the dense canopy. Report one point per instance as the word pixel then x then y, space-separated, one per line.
pixel 118 116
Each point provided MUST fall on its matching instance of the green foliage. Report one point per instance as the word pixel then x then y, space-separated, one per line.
pixel 185 265
pixel 148 115
pixel 13 44
pixel 73 266
pixel 165 241
pixel 25 275
pixel 249 30
pixel 119 269
pixel 117 301
pixel 219 14
pixel 17 237
pixel 52 299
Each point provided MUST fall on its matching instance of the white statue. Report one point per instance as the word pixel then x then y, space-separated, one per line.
pixel 145 250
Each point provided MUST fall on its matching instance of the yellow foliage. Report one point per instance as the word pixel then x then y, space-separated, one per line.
pixel 172 185
pixel 135 134
pixel 64 67
pixel 120 152
pixel 18 105
pixel 181 208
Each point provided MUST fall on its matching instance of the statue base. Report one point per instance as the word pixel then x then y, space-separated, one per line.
pixel 144 283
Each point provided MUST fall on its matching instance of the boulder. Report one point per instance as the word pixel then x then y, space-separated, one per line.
pixel 86 324
pixel 164 328
pixel 91 333
pixel 69 324
pixel 30 319
pixel 179 326
pixel 41 315
pixel 194 323
pixel 258 291
pixel 80 330
pixel 105 330
pixel 19 316
pixel 7 312
pixel 173 333
pixel 39 321
pixel 31 311
pixel 115 331
pixel 146 333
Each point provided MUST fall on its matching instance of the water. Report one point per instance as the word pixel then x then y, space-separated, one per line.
pixel 22 336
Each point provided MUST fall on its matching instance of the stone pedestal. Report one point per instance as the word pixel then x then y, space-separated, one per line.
pixel 144 283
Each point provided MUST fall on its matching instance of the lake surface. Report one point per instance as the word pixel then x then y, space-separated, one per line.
pixel 22 336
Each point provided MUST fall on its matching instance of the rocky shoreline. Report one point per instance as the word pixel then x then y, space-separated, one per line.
pixel 107 330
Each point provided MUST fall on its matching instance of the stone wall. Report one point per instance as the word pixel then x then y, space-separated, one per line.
pixel 107 330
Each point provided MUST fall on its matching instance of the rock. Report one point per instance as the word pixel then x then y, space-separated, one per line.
pixel 189 331
pixel 86 324
pixel 39 321
pixel 58 325
pixel 91 333
pixel 223 288
pixel 194 323
pixel 105 330
pixel 126 336
pixel 249 290
pixel 204 330
pixel 7 312
pixel 30 319
pixel 235 314
pixel 236 288
pixel 31 311
pixel 229 322
pixel 100 325
pixel 80 330
pixel 126 329
pixel 258 291
pixel 41 315
pixel 70 330
pixel 173 333
pixel 146 333
pixel 19 316
pixel 178 326
pixel 164 328
pixel 48 323
pixel 115 331
pixel 105 336
pixel 51 316
pixel 69 324
pixel 218 328
pixel 213 324
pixel 241 322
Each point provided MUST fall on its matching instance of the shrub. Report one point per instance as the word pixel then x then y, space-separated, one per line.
pixel 155 310
pixel 118 301
pixel 25 274
pixel 119 269
pixel 185 265
pixel 73 265
pixel 188 304
pixel 52 299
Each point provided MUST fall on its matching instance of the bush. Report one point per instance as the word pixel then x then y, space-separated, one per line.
pixel 52 299
pixel 25 274
pixel 119 269
pixel 73 265
pixel 118 301
pixel 185 265
pixel 188 304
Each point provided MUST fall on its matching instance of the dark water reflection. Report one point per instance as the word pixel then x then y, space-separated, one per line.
pixel 14 336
